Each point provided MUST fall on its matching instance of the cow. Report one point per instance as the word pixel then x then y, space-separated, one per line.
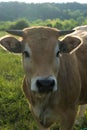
pixel 55 72
pixel 81 31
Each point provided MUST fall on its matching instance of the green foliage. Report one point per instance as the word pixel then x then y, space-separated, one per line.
pixel 5 25
pixel 61 16
pixel 19 24
pixel 10 11
pixel 56 23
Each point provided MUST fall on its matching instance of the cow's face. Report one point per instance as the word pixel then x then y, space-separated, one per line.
pixel 41 56
pixel 41 61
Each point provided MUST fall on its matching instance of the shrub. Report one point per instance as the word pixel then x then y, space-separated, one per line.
pixel 20 24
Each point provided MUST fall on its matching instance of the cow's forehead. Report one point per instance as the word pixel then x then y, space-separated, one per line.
pixel 41 38
pixel 40 32
pixel 41 44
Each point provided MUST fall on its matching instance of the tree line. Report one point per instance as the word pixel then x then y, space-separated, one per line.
pixel 55 23
pixel 10 11
pixel 15 15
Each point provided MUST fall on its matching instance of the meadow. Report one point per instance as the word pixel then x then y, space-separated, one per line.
pixel 14 109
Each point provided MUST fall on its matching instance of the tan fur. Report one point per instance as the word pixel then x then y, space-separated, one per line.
pixel 70 71
pixel 81 55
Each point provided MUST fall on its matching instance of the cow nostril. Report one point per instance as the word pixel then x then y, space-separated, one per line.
pixel 39 83
pixel 45 85
pixel 45 82
pixel 52 82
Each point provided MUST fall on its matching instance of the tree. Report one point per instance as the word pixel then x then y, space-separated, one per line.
pixel 20 24
pixel 58 25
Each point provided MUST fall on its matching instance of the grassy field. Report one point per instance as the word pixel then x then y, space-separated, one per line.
pixel 14 109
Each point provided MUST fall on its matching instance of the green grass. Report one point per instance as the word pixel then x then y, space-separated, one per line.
pixel 14 109
pixel 3 33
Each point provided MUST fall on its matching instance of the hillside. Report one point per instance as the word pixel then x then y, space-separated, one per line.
pixel 10 11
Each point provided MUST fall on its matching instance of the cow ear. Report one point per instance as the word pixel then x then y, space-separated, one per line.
pixel 69 44
pixel 11 44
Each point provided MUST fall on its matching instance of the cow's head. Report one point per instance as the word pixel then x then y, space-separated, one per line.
pixel 41 51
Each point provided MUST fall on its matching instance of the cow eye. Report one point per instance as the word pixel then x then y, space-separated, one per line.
pixel 57 54
pixel 26 54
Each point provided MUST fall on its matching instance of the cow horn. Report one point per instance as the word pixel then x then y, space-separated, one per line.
pixel 61 32
pixel 20 32
pixel 15 32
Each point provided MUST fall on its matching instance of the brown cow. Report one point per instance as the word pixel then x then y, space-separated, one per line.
pixel 55 73
pixel 81 31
